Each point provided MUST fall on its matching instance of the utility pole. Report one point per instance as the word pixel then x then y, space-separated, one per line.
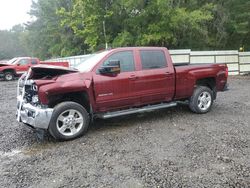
pixel 105 37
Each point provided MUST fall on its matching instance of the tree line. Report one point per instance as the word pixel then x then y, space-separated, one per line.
pixel 73 27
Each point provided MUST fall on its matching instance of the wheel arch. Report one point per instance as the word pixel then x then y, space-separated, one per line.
pixel 80 97
pixel 10 70
pixel 209 82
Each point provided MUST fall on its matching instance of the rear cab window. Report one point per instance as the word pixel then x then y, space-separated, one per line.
pixel 153 59
pixel 33 61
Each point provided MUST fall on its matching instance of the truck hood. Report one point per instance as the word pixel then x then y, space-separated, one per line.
pixel 52 81
pixel 49 71
pixel 4 64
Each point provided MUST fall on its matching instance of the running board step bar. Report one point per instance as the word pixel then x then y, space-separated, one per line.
pixel 135 110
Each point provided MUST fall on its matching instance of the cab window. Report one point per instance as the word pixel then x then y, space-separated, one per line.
pixel 33 61
pixel 152 59
pixel 23 62
pixel 126 59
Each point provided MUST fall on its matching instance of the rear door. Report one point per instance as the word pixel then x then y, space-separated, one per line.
pixel 115 91
pixel 156 78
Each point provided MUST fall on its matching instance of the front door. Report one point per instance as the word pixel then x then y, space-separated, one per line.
pixel 114 91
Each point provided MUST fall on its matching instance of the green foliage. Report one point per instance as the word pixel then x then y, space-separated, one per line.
pixel 48 38
pixel 238 27
pixel 11 43
pixel 160 23
pixel 123 39
pixel 73 27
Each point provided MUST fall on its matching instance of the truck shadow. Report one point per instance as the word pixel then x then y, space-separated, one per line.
pixel 115 126
pixel 124 122
pixel 101 126
pixel 108 126
pixel 139 118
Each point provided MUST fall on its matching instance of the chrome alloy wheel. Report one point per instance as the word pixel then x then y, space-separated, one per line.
pixel 69 122
pixel 8 77
pixel 204 100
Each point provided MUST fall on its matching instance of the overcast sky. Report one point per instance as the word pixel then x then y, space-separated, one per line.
pixel 13 12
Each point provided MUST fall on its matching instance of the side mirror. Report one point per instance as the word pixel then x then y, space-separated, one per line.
pixel 113 67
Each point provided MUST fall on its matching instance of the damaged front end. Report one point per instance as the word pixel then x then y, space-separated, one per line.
pixel 29 109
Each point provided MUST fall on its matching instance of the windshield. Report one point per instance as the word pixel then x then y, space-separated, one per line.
pixel 89 63
pixel 83 60
pixel 12 61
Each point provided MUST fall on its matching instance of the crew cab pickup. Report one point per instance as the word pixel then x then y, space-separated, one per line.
pixel 17 66
pixel 112 83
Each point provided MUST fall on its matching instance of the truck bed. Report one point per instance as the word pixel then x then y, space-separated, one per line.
pixel 186 76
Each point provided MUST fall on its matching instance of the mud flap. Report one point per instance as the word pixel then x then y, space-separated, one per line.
pixel 226 87
pixel 40 134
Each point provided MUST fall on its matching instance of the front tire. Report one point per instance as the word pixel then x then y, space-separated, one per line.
pixel 69 120
pixel 202 100
pixel 8 76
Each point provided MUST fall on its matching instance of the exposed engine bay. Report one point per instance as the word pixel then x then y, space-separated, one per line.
pixel 27 88
pixel 48 72
pixel 27 91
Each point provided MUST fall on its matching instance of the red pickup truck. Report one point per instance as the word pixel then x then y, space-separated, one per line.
pixel 17 66
pixel 112 83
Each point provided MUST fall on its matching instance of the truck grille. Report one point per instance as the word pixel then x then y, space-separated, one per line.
pixel 26 90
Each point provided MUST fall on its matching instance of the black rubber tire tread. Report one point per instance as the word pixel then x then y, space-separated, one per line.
pixel 8 72
pixel 58 109
pixel 193 101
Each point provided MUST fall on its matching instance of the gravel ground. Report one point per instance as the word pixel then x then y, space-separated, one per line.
pixel 166 148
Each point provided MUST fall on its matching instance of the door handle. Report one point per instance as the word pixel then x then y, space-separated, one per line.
pixel 132 77
pixel 168 73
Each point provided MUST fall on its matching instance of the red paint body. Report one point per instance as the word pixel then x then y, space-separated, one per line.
pixel 18 68
pixel 136 88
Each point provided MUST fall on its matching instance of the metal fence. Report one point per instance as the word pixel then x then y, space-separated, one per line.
pixel 237 62
pixel 73 60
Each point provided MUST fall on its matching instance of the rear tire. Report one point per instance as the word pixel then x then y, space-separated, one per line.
pixel 69 121
pixel 202 100
pixel 8 76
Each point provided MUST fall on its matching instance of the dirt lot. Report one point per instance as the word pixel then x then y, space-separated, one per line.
pixel 167 148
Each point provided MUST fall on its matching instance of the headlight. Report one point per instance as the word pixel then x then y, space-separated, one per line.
pixel 34 87
pixel 35 99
